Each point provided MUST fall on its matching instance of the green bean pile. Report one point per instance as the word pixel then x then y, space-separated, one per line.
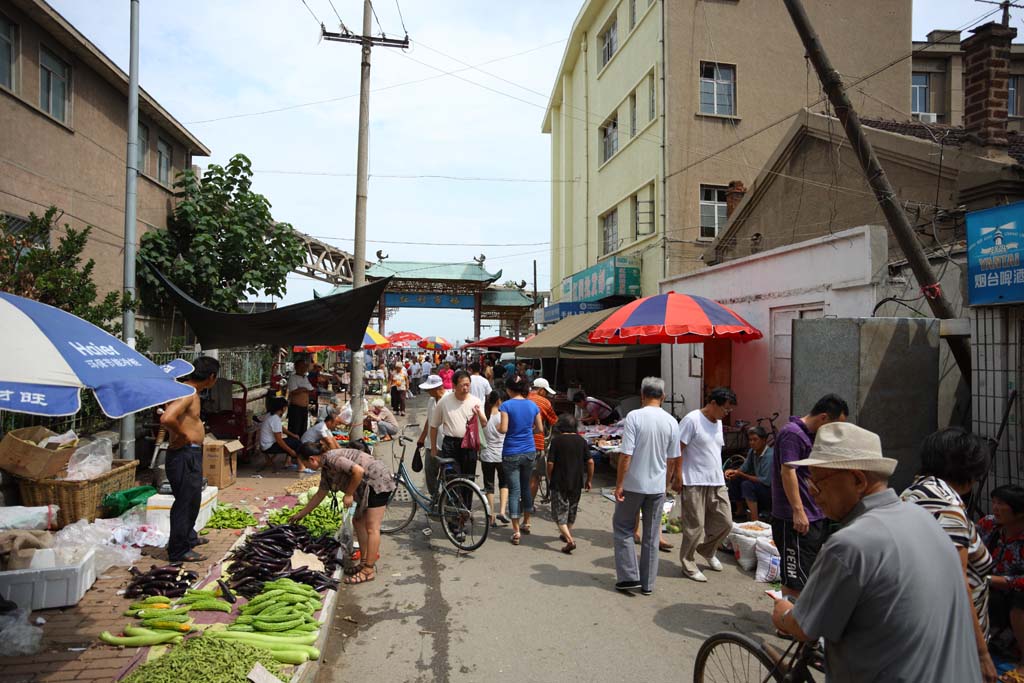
pixel 228 517
pixel 205 660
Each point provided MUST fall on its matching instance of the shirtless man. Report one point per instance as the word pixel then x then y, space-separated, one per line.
pixel 299 392
pixel 185 462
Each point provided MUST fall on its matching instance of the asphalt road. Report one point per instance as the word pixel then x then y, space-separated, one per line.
pixel 530 613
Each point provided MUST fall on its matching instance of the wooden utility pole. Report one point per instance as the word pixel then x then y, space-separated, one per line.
pixel 362 180
pixel 832 82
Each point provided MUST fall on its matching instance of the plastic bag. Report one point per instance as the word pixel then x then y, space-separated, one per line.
pixel 119 502
pixel 70 541
pixel 91 460
pixel 346 537
pixel 17 636
pixel 743 538
pixel 768 562
pixel 37 518
pixel 68 437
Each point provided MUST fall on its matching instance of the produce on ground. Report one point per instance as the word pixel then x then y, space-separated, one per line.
pixel 305 484
pixel 672 526
pixel 266 556
pixel 323 520
pixel 229 517
pixel 140 638
pixel 170 581
pixel 207 660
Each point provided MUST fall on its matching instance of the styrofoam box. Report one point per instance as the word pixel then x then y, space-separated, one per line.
pixel 158 510
pixel 34 589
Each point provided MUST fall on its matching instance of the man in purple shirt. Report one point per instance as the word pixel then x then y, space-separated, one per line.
pixel 798 524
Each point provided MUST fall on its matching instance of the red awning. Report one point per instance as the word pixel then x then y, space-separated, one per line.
pixel 494 343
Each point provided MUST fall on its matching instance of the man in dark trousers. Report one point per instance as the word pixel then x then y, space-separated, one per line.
pixel 185 462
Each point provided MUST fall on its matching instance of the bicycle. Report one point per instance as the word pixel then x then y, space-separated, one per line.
pixel 729 657
pixel 459 503
pixel 772 430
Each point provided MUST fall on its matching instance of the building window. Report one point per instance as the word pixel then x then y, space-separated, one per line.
pixel 632 14
pixel 713 210
pixel 143 151
pixel 717 89
pixel 782 337
pixel 609 138
pixel 8 52
pixel 54 77
pixel 1011 103
pixel 652 99
pixel 610 231
pixel 919 93
pixel 609 42
pixel 632 114
pixel 163 161
pixel 643 213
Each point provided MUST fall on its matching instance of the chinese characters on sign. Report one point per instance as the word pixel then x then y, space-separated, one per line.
pixel 617 276
pixel 29 398
pixel 425 300
pixel 994 271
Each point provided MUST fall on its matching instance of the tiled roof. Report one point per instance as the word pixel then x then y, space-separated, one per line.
pixel 495 296
pixel 425 270
pixel 950 135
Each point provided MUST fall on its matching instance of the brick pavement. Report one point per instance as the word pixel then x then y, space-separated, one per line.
pixel 71 651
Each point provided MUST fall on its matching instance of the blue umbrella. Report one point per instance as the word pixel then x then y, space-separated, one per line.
pixel 47 356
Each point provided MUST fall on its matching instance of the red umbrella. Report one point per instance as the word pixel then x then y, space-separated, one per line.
pixel 673 319
pixel 403 337
pixel 435 344
pixel 494 342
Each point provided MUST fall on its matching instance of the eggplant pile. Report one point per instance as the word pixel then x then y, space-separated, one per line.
pixel 170 581
pixel 266 556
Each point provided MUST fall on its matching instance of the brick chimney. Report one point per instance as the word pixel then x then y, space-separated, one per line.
pixel 733 196
pixel 986 85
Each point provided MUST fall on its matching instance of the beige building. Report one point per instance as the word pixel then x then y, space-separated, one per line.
pixel 937 81
pixel 63 135
pixel 629 180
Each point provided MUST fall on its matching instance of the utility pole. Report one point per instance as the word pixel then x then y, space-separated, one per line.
pixel 536 329
pixel 832 82
pixel 362 180
pixel 131 177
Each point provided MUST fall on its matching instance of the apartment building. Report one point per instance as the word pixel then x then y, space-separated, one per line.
pixel 659 106
pixel 937 81
pixel 63 135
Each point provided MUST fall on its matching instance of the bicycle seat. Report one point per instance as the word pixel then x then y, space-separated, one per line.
pixel 445 461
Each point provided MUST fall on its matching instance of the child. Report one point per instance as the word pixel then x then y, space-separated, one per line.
pixel 567 457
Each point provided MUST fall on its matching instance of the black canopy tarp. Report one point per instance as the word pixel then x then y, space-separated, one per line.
pixel 327 321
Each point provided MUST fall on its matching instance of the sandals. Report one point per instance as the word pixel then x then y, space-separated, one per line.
pixel 516 538
pixel 525 528
pixel 352 571
pixel 569 547
pixel 365 575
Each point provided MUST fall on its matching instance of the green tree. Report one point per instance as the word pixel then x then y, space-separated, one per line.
pixel 57 276
pixel 221 242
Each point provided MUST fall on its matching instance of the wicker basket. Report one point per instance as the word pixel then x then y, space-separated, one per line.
pixel 78 499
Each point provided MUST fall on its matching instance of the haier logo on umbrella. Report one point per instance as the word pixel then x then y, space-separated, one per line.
pixel 93 349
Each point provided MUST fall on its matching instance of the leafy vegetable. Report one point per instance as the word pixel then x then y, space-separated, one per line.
pixel 206 660
pixel 228 517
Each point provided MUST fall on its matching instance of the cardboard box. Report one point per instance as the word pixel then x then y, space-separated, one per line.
pixel 220 461
pixel 20 456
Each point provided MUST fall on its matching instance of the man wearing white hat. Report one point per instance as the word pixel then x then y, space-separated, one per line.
pixel 886 590
pixel 434 387
pixel 541 396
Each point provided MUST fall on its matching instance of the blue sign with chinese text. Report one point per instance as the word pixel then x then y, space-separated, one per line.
pixel 426 300
pixel 994 248
pixel 564 309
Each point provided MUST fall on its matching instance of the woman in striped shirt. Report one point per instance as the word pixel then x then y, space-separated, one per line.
pixel 952 460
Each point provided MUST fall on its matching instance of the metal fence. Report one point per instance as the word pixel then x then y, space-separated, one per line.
pixel 251 367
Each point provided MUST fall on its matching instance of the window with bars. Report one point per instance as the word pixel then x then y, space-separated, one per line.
pixel 652 99
pixel 713 210
pixel 610 231
pixel 717 89
pixel 163 161
pixel 609 42
pixel 642 205
pixel 632 14
pixel 609 138
pixel 782 337
pixel 143 151
pixel 919 87
pixel 54 79
pixel 632 114
pixel 1011 104
pixel 8 51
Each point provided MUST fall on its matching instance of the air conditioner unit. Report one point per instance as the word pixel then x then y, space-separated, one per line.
pixel 927 117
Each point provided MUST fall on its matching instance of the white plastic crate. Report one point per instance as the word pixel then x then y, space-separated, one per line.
pixel 158 510
pixel 34 589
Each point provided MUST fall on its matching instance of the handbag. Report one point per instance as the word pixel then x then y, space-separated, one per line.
pixel 471 441
pixel 417 461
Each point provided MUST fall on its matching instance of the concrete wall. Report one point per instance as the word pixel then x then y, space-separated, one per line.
pixel 837 275
pixel 773 83
pixel 79 165
pixel 587 94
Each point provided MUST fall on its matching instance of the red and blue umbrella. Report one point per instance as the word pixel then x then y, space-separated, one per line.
pixel 435 344
pixel 673 319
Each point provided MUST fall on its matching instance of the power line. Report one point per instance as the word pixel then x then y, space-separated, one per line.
pixel 312 14
pixel 424 176
pixel 439 244
pixel 400 17
pixel 340 21
pixel 374 10
pixel 380 89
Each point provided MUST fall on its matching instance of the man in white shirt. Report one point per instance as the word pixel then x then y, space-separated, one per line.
pixel 700 481
pixel 453 412
pixel 416 374
pixel 434 388
pixel 322 432
pixel 299 392
pixel 274 438
pixel 648 444
pixel 426 368
pixel 478 384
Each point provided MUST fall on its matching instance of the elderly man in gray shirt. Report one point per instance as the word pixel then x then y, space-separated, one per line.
pixel 886 591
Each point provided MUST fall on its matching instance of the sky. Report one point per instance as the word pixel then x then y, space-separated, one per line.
pixel 217 64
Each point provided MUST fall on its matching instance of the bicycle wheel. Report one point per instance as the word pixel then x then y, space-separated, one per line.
pixel 465 517
pixel 733 462
pixel 400 510
pixel 733 658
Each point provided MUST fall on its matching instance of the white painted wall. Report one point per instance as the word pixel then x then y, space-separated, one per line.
pixel 840 271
